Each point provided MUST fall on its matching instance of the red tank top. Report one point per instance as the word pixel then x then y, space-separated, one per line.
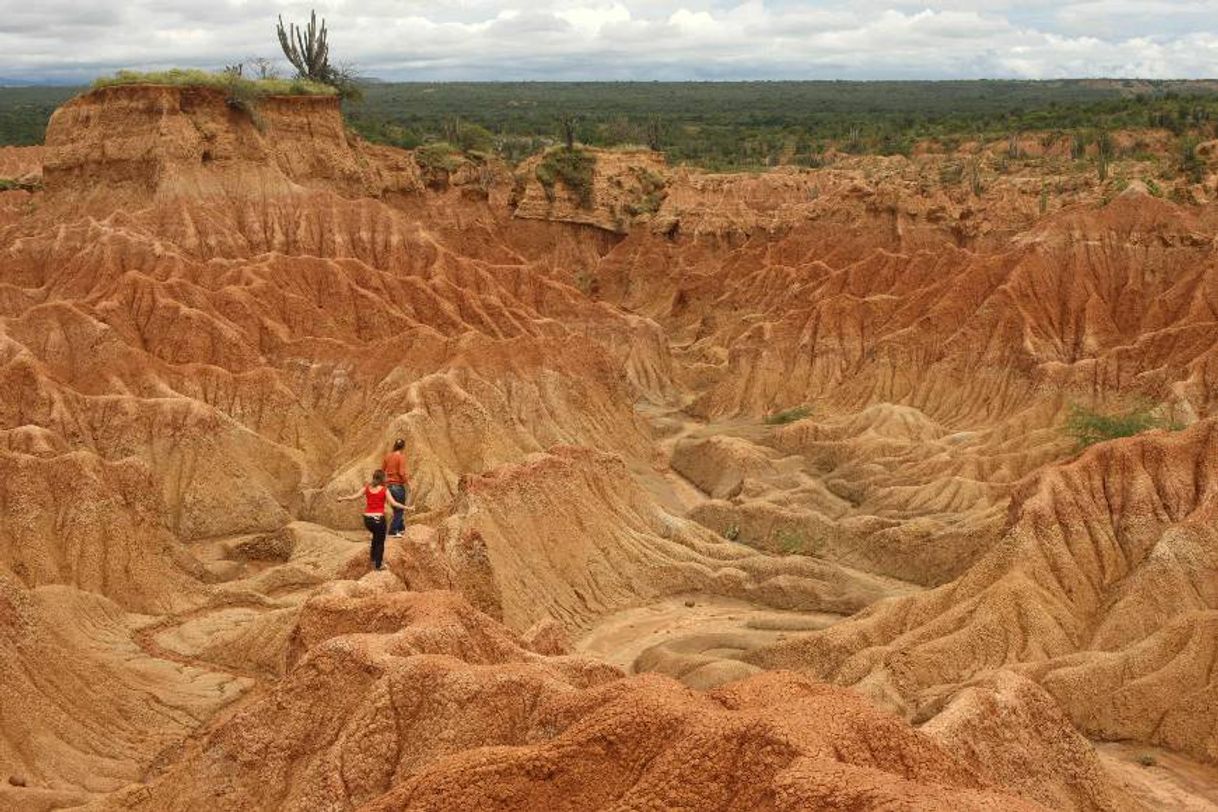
pixel 374 502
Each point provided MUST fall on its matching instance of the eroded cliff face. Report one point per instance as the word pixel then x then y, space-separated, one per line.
pixel 172 141
pixel 213 323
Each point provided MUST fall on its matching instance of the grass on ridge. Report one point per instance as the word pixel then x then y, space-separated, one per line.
pixel 193 77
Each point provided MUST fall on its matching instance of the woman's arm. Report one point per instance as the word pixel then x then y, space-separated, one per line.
pixel 350 498
pixel 395 503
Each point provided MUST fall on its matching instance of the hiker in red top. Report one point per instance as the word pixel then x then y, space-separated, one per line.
pixel 375 495
pixel 398 479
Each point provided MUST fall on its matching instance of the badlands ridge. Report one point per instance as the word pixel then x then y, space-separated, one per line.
pixel 625 589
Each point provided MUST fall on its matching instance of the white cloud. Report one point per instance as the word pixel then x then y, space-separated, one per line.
pixel 590 20
pixel 633 39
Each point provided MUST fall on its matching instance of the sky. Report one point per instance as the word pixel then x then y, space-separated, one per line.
pixel 62 40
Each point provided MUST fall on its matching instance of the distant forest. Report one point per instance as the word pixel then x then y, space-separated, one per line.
pixel 729 125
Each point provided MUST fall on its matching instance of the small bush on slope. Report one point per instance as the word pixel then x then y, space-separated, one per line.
pixel 440 155
pixel 787 416
pixel 573 168
pixel 1089 427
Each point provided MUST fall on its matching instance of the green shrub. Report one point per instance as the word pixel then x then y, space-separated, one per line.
pixel 1190 162
pixel 1078 147
pixel 1104 145
pixel 469 138
pixel 1089 427
pixel 853 143
pixel 732 533
pixel 438 156
pixel 650 181
pixel 647 205
pixel 787 416
pixel 574 168
pixel 653 187
pixel 1147 760
pixel 8 185
pixel 383 132
pixel 892 144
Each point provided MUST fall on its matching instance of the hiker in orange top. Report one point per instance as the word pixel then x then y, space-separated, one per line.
pixel 398 479
pixel 375 495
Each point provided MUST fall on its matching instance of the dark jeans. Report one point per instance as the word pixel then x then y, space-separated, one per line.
pixel 399 492
pixel 376 526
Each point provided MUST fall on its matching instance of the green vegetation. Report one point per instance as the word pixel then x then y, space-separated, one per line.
pixel 223 80
pixel 787 416
pixel 572 168
pixel 438 156
pixel 469 137
pixel 791 542
pixel 1147 760
pixel 308 49
pixel 747 125
pixel 1089 427
pixel 8 185
pixel 25 111
pixel 654 190
pixel 732 533
pixel 1191 164
pixel 751 125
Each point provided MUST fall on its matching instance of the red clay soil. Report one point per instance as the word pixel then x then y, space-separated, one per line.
pixel 212 324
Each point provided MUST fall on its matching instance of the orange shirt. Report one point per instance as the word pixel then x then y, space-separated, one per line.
pixel 394 467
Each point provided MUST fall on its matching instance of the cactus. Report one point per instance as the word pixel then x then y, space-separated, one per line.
pixel 307 49
pixel 567 123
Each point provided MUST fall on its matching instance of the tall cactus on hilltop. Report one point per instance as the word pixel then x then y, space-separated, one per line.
pixel 307 49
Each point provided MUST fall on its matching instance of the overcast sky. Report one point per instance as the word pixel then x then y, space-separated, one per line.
pixel 630 39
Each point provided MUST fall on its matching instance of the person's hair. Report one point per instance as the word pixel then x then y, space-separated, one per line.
pixel 399 444
pixel 378 477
